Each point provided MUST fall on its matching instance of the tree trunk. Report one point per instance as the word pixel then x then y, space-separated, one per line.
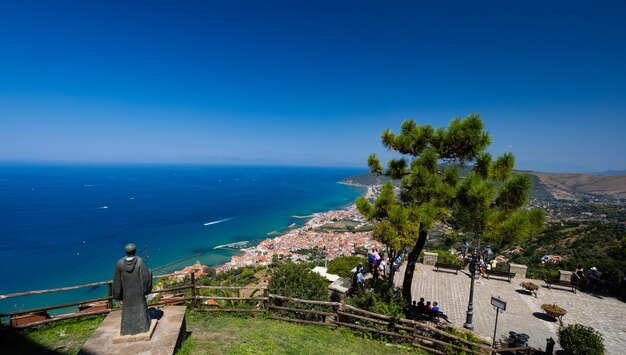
pixel 410 264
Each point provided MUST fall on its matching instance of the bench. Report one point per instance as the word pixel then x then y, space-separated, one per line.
pixel 499 273
pixel 423 315
pixel 454 267
pixel 572 285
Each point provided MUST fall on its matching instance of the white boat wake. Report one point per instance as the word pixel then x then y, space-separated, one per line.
pixel 219 221
pixel 236 245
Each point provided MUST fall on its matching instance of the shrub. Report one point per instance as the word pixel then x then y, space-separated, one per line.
pixel 383 300
pixel 343 265
pixel 298 281
pixel 445 256
pixel 578 339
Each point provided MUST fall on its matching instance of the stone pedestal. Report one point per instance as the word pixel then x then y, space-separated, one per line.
pixel 519 270
pixel 430 258
pixel 166 337
pixel 136 337
pixel 565 275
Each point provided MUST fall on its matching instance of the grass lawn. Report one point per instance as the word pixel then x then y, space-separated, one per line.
pixel 233 335
pixel 210 335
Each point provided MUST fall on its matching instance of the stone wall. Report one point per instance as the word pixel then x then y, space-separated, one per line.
pixel 518 269
pixel 430 258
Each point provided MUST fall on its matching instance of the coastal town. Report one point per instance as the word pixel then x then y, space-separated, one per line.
pixel 291 244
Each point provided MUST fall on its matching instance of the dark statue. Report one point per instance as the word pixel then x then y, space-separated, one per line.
pixel 132 281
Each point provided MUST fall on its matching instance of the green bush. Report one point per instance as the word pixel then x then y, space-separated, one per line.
pixel 343 265
pixel 539 272
pixel 445 256
pixel 383 300
pixel 298 281
pixel 578 339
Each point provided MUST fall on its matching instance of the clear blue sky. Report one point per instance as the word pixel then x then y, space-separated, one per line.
pixel 309 83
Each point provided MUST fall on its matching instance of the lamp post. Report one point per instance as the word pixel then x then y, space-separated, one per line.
pixel 473 271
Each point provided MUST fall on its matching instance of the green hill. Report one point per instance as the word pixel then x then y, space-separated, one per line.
pixel 587 243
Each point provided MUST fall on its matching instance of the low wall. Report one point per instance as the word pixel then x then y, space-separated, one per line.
pixel 519 270
pixel 430 258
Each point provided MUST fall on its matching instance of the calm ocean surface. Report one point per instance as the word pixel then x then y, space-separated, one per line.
pixel 67 225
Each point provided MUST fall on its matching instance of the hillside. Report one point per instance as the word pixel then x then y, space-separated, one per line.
pixel 577 186
pixel 587 243
pixel 548 186
pixel 365 180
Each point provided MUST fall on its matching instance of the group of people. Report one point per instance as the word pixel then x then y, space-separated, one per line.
pixel 595 281
pixel 379 265
pixel 421 309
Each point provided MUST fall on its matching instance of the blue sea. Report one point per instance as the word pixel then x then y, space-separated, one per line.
pixel 67 225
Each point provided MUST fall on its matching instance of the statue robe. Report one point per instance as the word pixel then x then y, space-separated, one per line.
pixel 132 281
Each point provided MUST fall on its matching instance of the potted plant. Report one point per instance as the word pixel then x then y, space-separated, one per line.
pixel 553 310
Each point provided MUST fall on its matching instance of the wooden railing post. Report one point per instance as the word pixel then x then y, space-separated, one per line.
pixel 194 300
pixel 110 293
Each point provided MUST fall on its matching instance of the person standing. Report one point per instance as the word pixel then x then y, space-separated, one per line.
pixel 464 249
pixel 488 253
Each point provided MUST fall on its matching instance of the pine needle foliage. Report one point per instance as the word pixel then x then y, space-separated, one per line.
pixel 488 202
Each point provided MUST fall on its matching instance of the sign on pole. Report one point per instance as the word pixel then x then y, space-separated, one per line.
pixel 500 305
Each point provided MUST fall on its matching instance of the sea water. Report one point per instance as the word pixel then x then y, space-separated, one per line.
pixel 68 225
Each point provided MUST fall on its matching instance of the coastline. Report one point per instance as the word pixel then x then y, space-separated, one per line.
pixel 307 237
pixel 288 241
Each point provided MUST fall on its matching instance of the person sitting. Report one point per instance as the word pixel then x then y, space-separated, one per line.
pixel 435 310
pixel 360 279
pixel 427 308
pixel 580 272
pixel 577 276
pixel 355 277
pixel 359 267
pixel 413 311
pixel 420 305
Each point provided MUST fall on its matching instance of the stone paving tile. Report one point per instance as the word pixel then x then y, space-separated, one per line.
pixel 523 313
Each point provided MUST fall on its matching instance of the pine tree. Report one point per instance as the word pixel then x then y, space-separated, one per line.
pixel 487 203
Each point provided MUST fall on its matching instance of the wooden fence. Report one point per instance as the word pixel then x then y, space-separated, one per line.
pixel 98 310
pixel 430 336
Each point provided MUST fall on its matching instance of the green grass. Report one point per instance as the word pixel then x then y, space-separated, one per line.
pixel 233 335
pixel 210 334
pixel 62 337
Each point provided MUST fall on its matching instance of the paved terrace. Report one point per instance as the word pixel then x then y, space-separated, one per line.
pixel 523 314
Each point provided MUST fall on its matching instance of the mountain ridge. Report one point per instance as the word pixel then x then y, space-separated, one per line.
pixel 551 186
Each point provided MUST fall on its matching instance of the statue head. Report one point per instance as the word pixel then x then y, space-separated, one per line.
pixel 131 249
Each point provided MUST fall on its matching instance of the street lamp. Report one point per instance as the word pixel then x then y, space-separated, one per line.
pixel 473 273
